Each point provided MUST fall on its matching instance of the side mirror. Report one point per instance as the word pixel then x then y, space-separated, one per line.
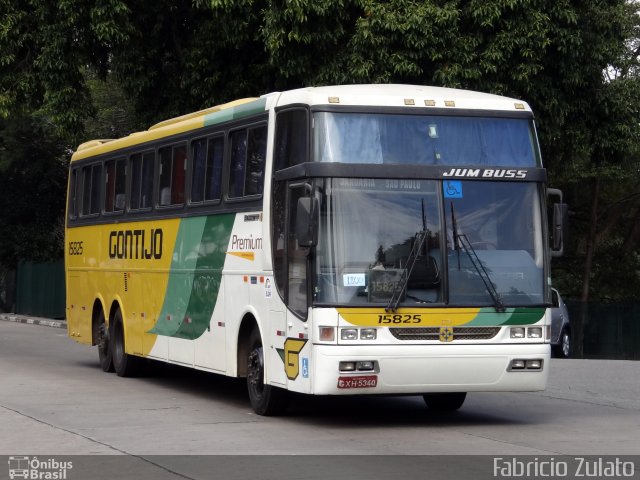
pixel 307 221
pixel 559 223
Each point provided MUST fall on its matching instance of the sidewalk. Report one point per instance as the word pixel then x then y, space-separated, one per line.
pixel 12 317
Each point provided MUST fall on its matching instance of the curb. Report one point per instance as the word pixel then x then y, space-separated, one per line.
pixel 10 317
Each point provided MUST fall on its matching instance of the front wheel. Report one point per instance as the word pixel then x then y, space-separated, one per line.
pixel 444 402
pixel 563 349
pixel 265 399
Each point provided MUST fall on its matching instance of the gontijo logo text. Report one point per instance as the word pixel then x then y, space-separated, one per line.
pixel 37 469
pixel 136 244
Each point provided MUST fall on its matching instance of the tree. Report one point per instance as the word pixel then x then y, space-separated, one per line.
pixel 170 58
pixel 32 181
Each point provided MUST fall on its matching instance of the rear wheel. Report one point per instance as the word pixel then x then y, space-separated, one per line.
pixel 104 349
pixel 124 364
pixel 444 402
pixel 265 399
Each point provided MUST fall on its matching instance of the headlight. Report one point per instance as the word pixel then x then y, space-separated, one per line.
pixel 368 334
pixel 349 334
pixel 534 332
pixel 517 332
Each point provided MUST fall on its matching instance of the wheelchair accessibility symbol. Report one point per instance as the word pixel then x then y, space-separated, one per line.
pixel 452 188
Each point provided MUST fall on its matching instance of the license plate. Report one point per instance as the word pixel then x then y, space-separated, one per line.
pixel 365 381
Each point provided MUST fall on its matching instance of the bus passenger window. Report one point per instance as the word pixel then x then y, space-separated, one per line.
pixel 172 165
pixel 73 194
pixel 238 163
pixel 207 169
pixel 115 185
pixel 213 178
pixel 248 153
pixel 256 154
pixel 141 180
pixel 91 189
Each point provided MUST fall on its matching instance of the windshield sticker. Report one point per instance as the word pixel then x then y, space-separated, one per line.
pixel 452 189
pixel 354 280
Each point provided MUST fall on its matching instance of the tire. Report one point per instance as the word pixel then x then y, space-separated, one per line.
pixel 124 364
pixel 563 349
pixel 444 402
pixel 104 348
pixel 265 399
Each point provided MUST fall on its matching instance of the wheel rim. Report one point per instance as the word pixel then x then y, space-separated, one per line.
pixel 255 372
pixel 566 344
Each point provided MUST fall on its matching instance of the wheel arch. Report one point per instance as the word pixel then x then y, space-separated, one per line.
pixel 98 306
pixel 248 323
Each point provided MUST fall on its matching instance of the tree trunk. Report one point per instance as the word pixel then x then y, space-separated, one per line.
pixel 591 241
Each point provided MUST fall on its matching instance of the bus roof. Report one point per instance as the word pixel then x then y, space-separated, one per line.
pixel 169 127
pixel 401 96
pixel 386 95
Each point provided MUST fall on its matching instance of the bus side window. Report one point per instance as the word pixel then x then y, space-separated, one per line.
pixel 213 179
pixel 115 185
pixel 238 161
pixel 73 194
pixel 91 177
pixel 248 153
pixel 207 169
pixel 292 132
pixel 142 166
pixel 172 166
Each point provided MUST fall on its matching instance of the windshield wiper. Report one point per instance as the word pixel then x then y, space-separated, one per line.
pixel 418 241
pixel 460 239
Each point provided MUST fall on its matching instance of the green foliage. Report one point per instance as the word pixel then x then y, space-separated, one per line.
pixel 96 68
pixel 32 182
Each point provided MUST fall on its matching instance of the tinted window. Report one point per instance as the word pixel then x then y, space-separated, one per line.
pixel 114 198
pixel 248 153
pixel 141 180
pixel 172 167
pixel 91 189
pixel 207 169
pixel 291 138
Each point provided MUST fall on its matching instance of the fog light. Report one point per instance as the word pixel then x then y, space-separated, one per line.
pixel 517 332
pixel 534 364
pixel 517 364
pixel 368 334
pixel 364 366
pixel 349 334
pixel 534 332
pixel 347 366
pixel 327 334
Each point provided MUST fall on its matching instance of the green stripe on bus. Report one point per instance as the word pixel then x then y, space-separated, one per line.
pixel 488 316
pixel 194 279
pixel 234 113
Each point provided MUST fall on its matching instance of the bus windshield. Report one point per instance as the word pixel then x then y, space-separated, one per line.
pixel 368 228
pixel 424 140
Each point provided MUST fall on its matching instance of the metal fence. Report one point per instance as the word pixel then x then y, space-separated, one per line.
pixel 40 289
pixel 605 331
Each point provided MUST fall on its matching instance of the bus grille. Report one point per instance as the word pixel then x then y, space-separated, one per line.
pixel 433 333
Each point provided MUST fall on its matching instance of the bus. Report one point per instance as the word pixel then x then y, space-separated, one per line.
pixel 334 240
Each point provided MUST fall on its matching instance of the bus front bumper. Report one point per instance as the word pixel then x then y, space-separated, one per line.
pixel 418 369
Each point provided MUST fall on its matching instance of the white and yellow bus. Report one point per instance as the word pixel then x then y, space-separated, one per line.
pixel 339 240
